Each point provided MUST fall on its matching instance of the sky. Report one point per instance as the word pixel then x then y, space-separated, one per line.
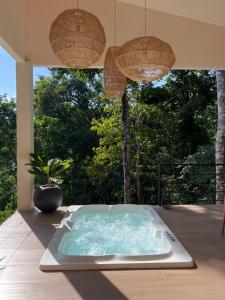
pixel 8 74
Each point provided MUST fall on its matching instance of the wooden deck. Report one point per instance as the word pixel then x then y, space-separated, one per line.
pixel 24 237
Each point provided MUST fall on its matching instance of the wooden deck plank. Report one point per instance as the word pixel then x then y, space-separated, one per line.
pixel 24 237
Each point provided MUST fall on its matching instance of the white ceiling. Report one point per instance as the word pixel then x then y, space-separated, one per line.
pixel 208 11
pixel 194 28
pixel 187 25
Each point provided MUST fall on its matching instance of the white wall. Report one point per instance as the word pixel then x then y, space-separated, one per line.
pixel 12 27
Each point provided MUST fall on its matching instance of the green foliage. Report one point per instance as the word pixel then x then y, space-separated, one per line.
pixel 52 171
pixel 169 124
pixel 172 121
pixel 201 178
pixel 63 125
pixel 105 167
pixel 7 157
pixel 149 123
pixel 9 208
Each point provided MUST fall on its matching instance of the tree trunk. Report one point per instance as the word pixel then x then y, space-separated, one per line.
pixel 126 148
pixel 138 154
pixel 220 138
pixel 138 181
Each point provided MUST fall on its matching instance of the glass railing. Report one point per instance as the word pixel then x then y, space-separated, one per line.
pixel 187 184
pixel 7 205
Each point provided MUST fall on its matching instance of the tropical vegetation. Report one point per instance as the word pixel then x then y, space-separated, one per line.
pixel 48 173
pixel 172 122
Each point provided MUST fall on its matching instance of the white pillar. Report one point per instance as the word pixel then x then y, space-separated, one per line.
pixel 25 134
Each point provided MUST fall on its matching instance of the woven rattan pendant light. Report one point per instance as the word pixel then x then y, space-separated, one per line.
pixel 114 81
pixel 77 38
pixel 146 58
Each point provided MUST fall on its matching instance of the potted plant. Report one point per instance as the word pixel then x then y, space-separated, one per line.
pixel 48 197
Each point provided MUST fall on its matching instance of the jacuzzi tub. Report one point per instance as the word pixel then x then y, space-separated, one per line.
pixel 113 237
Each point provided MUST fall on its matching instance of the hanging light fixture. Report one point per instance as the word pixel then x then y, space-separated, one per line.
pixel 77 38
pixel 114 81
pixel 146 58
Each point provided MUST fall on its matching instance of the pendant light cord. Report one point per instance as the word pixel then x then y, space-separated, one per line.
pixel 77 4
pixel 115 22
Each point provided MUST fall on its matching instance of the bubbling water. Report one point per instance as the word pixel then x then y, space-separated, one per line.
pixel 99 234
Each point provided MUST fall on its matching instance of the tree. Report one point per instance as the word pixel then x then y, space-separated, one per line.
pixel 105 168
pixel 65 104
pixel 164 128
pixel 220 138
pixel 126 148
pixel 189 93
pixel 170 122
pixel 7 157
pixel 138 156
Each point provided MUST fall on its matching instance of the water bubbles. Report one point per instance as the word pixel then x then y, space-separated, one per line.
pixel 123 233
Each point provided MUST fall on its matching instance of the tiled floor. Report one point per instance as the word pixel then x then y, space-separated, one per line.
pixel 24 237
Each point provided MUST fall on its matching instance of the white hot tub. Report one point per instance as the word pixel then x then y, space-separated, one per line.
pixel 95 237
